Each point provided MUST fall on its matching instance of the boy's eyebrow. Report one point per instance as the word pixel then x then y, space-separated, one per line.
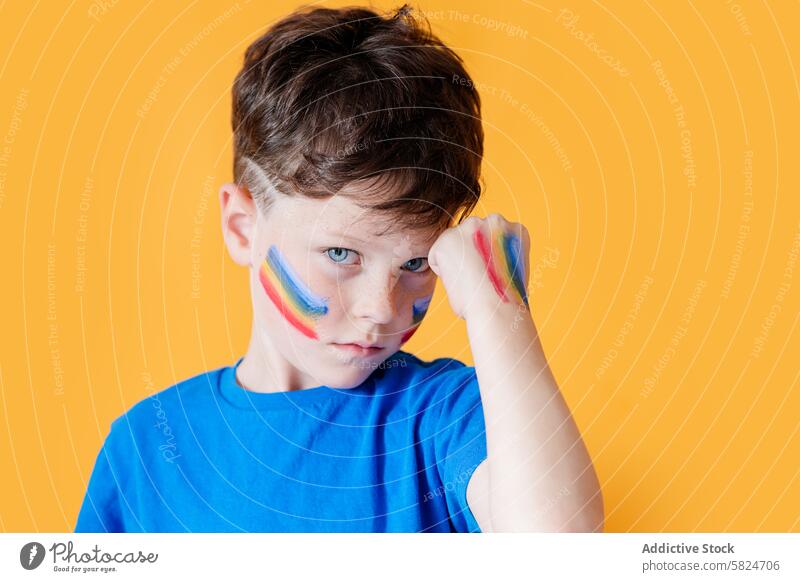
pixel 346 235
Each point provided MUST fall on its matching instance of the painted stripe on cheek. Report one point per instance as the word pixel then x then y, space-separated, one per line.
pixel 418 310
pixel 303 298
pixel 293 299
pixel 408 334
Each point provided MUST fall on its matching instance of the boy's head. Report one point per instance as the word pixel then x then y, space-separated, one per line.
pixel 357 141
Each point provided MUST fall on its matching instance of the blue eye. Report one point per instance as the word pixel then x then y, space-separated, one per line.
pixel 339 255
pixel 414 265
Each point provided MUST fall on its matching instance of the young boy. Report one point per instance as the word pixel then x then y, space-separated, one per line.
pixel 357 154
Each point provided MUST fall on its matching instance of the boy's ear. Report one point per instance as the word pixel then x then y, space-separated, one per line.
pixel 239 214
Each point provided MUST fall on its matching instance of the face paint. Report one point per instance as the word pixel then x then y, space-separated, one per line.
pixel 296 302
pixel 502 255
pixel 418 310
pixel 515 264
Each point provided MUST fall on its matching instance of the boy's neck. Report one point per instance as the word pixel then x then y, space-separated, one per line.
pixel 265 369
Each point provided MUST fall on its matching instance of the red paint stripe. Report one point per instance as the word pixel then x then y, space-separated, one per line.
pixel 283 308
pixel 408 334
pixel 483 248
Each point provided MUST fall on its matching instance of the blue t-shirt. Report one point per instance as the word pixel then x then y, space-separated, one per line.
pixel 394 454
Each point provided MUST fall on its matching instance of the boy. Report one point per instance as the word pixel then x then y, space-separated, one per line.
pixel 355 154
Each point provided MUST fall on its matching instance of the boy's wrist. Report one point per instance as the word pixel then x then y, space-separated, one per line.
pixel 496 312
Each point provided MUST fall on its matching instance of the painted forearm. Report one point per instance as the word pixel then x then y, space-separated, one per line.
pixel 540 475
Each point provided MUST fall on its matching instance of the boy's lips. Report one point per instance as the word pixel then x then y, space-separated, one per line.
pixel 362 349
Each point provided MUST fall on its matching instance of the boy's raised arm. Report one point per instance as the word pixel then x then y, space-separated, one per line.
pixel 538 475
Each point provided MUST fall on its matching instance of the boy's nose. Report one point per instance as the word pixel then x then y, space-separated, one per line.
pixel 375 300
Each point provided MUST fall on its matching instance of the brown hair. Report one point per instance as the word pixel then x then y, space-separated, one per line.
pixel 330 97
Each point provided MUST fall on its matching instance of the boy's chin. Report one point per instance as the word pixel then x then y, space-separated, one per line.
pixel 345 375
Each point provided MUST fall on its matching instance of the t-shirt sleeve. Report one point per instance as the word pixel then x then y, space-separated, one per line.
pixel 459 442
pixel 101 511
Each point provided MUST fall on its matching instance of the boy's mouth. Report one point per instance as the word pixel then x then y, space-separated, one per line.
pixel 360 349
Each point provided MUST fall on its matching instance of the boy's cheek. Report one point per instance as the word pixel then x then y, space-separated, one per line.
pixel 301 302
pixel 316 303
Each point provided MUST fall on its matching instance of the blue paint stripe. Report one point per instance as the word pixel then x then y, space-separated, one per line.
pixel 512 248
pixel 294 287
pixel 420 307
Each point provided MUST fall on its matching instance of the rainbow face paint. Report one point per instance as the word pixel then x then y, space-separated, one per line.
pixel 501 252
pixel 297 303
pixel 418 310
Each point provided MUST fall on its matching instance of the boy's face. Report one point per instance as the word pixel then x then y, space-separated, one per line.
pixel 324 281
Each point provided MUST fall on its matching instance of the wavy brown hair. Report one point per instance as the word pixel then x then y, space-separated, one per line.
pixel 333 97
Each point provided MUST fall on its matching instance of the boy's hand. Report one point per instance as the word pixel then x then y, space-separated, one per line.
pixel 482 262
pixel 529 427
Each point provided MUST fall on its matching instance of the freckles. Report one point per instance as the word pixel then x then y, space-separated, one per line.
pixel 502 257
pixel 298 304
pixel 418 310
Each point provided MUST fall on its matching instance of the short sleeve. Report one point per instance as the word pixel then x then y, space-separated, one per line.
pixel 101 508
pixel 459 442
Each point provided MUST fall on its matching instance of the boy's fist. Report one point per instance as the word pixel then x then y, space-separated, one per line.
pixel 481 262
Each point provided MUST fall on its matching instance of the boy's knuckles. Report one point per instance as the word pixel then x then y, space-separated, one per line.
pixel 495 218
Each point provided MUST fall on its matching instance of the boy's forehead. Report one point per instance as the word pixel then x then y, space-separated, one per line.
pixel 341 216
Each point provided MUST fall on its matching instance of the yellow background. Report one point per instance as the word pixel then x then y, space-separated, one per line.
pixel 665 286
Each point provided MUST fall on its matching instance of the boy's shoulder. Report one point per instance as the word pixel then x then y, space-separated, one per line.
pixel 408 370
pixel 435 370
pixel 429 382
pixel 180 398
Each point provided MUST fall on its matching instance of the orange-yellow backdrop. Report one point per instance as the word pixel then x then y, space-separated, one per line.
pixel 650 148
